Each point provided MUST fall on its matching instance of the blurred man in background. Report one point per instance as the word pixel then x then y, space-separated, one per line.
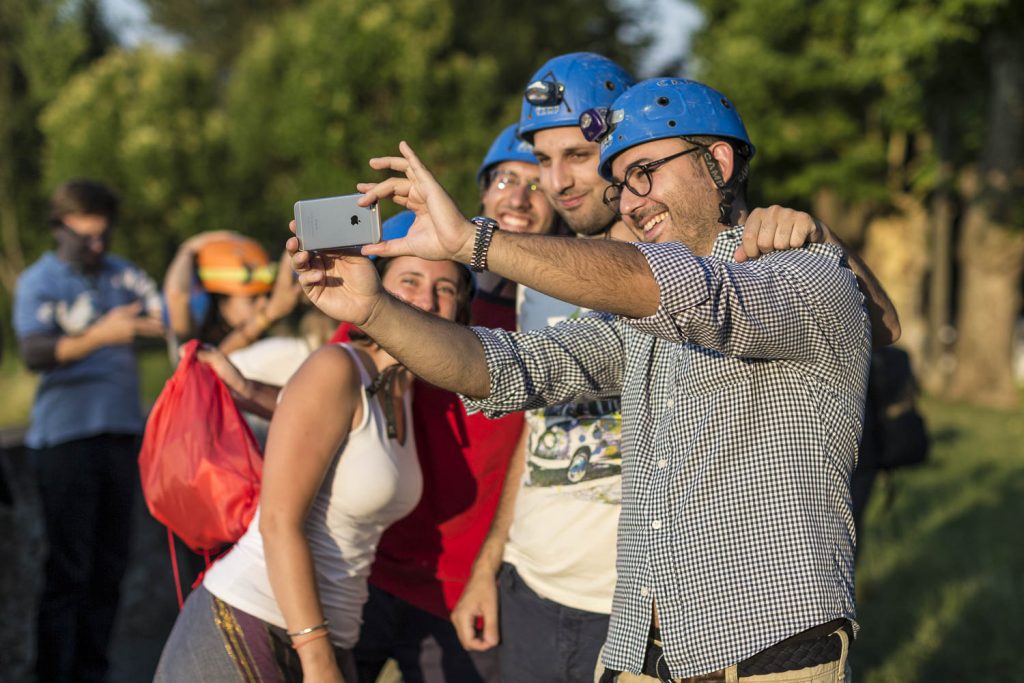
pixel 77 312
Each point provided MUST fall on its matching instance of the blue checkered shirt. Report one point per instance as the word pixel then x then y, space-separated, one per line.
pixel 742 407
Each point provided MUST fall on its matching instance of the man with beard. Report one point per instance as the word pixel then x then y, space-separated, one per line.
pixel 559 578
pixel 742 385
pixel 555 581
pixel 76 313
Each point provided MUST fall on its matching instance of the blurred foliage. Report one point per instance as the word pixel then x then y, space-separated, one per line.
pixel 279 100
pixel 521 35
pixel 324 89
pixel 219 29
pixel 146 123
pixel 849 95
pixel 42 43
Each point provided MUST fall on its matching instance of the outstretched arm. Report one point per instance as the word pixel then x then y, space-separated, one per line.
pixel 590 273
pixel 347 288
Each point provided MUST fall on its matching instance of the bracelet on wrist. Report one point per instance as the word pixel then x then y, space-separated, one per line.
pixel 485 228
pixel 322 626
pixel 307 641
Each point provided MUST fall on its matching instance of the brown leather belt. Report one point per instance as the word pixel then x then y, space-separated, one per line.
pixel 812 647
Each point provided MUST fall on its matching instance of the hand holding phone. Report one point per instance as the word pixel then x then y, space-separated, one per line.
pixel 336 223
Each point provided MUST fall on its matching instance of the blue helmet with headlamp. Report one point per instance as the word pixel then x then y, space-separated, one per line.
pixel 661 108
pixel 506 147
pixel 565 87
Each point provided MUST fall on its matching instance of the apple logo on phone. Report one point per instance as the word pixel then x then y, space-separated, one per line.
pixel 355 220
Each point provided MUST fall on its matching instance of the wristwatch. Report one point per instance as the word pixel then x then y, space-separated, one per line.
pixel 485 228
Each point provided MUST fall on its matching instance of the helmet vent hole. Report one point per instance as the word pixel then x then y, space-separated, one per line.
pixel 725 103
pixel 671 123
pixel 663 101
pixel 609 85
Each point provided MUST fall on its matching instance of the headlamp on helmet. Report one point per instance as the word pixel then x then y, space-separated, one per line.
pixel 566 86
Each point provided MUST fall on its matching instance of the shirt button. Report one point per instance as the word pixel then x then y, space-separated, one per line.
pixel 645 591
pixel 662 464
pixel 656 524
pixel 670 402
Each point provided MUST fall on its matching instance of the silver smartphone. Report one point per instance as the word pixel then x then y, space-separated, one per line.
pixel 335 223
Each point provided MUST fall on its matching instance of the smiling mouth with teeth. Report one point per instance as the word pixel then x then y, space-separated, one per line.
pixel 514 223
pixel 653 220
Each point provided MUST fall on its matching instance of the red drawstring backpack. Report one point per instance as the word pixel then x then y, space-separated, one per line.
pixel 200 463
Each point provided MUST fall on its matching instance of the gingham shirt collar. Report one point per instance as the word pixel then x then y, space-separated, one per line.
pixel 736 510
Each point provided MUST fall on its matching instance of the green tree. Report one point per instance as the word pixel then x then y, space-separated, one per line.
pixel 522 34
pixel 333 84
pixel 147 123
pixel 42 42
pixel 216 28
pixel 870 113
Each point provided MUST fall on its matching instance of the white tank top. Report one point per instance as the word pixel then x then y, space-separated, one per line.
pixel 372 482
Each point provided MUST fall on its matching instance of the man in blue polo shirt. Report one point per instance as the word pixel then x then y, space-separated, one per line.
pixel 77 311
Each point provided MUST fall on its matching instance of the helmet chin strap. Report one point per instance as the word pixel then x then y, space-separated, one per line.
pixel 726 190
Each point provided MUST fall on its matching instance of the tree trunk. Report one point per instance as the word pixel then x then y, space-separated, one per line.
pixel 992 244
pixel 939 360
pixel 896 249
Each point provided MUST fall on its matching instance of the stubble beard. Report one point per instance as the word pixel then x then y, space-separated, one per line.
pixel 590 220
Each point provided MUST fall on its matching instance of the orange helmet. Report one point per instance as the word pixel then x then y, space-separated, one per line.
pixel 235 265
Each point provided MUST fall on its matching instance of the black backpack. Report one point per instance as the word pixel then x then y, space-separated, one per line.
pixel 900 436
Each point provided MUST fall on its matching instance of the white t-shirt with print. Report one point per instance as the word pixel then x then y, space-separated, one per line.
pixel 562 540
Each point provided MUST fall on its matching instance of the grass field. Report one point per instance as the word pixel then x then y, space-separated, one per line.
pixel 941 572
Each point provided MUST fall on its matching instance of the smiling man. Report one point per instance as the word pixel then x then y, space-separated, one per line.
pixel 509 180
pixel 555 581
pixel 742 386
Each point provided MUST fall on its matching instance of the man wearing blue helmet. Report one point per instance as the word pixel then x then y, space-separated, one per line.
pixel 509 182
pixel 556 581
pixel 555 575
pixel 562 89
pixel 742 386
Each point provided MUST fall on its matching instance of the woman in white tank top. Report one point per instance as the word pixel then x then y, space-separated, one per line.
pixel 285 603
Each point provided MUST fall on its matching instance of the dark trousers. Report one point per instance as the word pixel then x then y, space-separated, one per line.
pixel 542 640
pixel 424 645
pixel 87 488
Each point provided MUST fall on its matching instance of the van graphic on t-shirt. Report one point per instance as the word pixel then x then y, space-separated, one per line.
pixel 574 444
pixel 572 448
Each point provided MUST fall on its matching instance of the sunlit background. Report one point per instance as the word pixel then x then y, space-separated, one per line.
pixel 900 123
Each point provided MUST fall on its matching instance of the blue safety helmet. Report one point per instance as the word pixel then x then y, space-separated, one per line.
pixel 506 147
pixel 397 226
pixel 565 87
pixel 665 108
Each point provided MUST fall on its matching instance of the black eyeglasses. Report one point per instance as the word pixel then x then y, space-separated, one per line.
pixel 503 180
pixel 638 179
